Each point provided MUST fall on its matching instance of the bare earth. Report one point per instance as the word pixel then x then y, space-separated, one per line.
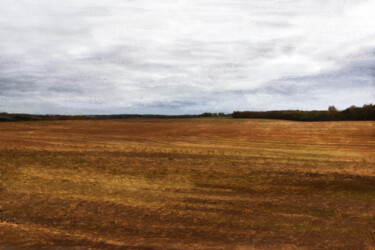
pixel 187 183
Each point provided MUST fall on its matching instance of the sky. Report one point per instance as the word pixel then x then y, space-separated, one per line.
pixel 185 56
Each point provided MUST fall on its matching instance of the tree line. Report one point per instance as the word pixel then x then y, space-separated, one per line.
pixel 353 113
pixel 6 117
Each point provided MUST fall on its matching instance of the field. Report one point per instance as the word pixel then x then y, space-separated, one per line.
pixel 204 183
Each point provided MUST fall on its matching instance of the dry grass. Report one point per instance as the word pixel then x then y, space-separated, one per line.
pixel 189 183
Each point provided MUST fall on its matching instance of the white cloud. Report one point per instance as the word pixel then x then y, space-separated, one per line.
pixel 184 56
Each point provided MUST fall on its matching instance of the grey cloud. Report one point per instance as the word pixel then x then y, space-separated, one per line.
pixel 326 88
pixel 356 73
pixel 183 57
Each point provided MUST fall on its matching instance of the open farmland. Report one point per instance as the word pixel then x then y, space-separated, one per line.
pixel 187 183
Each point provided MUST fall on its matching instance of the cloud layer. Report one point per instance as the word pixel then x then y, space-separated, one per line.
pixel 177 57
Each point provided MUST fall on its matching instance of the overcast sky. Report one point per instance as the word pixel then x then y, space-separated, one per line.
pixel 187 56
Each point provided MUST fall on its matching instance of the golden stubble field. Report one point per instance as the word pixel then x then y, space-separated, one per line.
pixel 211 183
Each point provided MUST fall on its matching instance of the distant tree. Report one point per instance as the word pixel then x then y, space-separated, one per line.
pixel 206 114
pixel 332 108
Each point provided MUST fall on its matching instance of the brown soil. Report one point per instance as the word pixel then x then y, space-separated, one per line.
pixel 187 184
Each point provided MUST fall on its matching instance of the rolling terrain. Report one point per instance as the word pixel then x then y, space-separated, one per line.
pixel 202 183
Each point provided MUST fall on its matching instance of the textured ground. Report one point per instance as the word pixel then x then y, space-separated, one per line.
pixel 187 183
